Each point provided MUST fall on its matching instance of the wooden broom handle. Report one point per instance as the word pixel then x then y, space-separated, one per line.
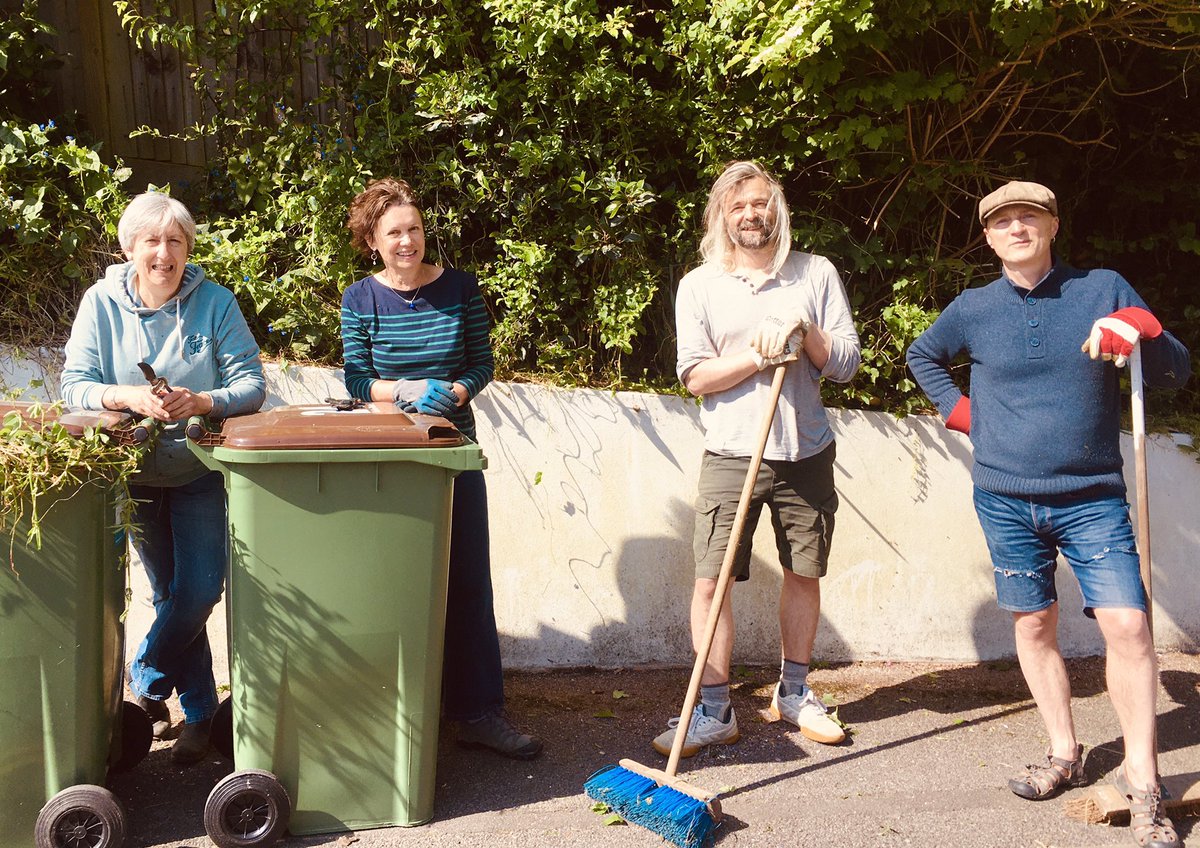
pixel 723 579
pixel 1141 480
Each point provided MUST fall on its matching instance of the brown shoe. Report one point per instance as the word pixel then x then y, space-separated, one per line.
pixel 193 743
pixel 1045 780
pixel 160 716
pixel 1147 821
pixel 495 732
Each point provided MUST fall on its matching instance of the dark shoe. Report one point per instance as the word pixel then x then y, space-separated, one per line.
pixel 192 744
pixel 1147 821
pixel 160 716
pixel 1045 780
pixel 497 733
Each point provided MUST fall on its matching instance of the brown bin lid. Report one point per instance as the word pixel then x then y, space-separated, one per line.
pixel 317 426
pixel 74 422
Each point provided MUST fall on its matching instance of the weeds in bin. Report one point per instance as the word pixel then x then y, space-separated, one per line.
pixel 43 464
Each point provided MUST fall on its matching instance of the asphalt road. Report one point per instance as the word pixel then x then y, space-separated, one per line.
pixel 926 763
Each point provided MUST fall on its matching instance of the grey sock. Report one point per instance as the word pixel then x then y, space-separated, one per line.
pixel 793 677
pixel 715 702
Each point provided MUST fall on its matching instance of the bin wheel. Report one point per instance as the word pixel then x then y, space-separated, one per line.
pixel 221 734
pixel 83 816
pixel 137 735
pixel 247 808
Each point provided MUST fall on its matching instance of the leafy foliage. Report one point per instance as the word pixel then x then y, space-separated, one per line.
pixel 59 205
pixel 25 55
pixel 59 202
pixel 564 149
pixel 44 463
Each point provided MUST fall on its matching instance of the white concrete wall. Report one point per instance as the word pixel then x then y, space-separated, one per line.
pixel 591 523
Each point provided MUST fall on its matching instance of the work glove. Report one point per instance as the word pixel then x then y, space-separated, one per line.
pixel 1114 336
pixel 433 397
pixel 773 332
pixel 792 346
pixel 960 417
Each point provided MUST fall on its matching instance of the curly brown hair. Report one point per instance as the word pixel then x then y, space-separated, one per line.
pixel 371 203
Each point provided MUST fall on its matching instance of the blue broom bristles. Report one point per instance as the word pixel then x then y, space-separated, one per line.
pixel 676 817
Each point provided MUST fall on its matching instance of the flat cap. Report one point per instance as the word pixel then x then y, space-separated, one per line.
pixel 1031 194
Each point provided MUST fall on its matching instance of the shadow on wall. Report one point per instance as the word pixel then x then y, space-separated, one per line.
pixel 34 372
pixel 653 628
pixel 604 603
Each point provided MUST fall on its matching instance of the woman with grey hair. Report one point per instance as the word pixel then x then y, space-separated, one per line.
pixel 157 309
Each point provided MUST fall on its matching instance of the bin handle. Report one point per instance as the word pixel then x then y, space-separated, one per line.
pixel 141 432
pixel 203 431
pixel 196 428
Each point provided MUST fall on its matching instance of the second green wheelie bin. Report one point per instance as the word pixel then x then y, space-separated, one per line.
pixel 339 524
pixel 63 723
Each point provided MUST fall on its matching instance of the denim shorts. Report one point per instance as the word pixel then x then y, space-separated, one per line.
pixel 800 496
pixel 1093 534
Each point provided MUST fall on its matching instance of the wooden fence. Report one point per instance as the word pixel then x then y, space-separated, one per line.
pixel 117 86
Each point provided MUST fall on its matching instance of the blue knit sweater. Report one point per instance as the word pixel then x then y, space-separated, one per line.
pixel 1044 416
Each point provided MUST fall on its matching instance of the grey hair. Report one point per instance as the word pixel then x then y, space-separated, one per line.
pixel 153 211
pixel 717 246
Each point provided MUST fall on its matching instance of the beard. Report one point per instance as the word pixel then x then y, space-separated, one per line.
pixel 754 234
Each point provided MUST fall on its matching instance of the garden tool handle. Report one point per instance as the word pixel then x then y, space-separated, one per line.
pixel 723 579
pixel 1141 479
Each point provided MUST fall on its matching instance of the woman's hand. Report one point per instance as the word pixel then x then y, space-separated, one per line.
pixel 181 404
pixel 175 405
pixel 432 397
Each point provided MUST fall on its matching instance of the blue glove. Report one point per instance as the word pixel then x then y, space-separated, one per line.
pixel 433 397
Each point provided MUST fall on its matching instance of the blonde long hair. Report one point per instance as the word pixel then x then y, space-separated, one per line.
pixel 717 246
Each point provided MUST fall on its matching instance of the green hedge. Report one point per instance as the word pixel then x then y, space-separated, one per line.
pixel 564 149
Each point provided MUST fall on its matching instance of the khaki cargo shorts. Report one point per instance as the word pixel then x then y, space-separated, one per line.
pixel 801 499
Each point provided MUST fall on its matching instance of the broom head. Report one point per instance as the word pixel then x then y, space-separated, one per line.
pixel 680 813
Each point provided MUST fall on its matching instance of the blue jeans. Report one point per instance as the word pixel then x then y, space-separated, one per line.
pixel 472 678
pixel 1094 534
pixel 181 539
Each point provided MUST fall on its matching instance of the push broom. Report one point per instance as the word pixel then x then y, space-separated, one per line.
pixel 1104 803
pixel 657 799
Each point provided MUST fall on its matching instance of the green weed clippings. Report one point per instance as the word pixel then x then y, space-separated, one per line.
pixel 43 464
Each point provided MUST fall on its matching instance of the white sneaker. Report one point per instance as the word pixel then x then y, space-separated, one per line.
pixel 703 730
pixel 808 713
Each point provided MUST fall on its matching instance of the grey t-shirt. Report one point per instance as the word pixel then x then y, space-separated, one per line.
pixel 716 314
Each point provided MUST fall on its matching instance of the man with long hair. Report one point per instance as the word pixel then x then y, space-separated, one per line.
pixel 752 304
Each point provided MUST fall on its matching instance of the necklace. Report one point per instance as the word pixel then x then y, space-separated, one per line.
pixel 410 302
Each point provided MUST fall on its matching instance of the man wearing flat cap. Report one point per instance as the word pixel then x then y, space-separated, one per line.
pixel 1043 417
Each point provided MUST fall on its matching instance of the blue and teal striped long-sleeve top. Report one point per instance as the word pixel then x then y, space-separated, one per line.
pixel 443 335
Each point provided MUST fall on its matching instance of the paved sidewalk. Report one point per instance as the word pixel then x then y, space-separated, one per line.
pixel 926 764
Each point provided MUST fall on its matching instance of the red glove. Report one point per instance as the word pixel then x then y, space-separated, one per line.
pixel 960 417
pixel 1114 336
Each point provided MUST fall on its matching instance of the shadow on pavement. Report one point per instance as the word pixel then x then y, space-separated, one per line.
pixel 908 720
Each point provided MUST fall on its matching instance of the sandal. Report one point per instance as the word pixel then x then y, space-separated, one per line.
pixel 1151 828
pixel 1045 780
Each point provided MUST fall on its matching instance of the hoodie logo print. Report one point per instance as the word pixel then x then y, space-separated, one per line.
pixel 195 343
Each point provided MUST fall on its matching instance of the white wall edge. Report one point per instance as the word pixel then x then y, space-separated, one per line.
pixel 591 523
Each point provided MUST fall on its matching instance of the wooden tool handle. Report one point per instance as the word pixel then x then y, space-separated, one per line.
pixel 723 579
pixel 1141 479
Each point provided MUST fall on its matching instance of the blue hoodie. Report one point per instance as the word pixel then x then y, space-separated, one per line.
pixel 198 340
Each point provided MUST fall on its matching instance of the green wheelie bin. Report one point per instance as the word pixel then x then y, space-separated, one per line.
pixel 339 524
pixel 63 723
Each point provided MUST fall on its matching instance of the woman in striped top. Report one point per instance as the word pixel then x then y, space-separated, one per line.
pixel 417 334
